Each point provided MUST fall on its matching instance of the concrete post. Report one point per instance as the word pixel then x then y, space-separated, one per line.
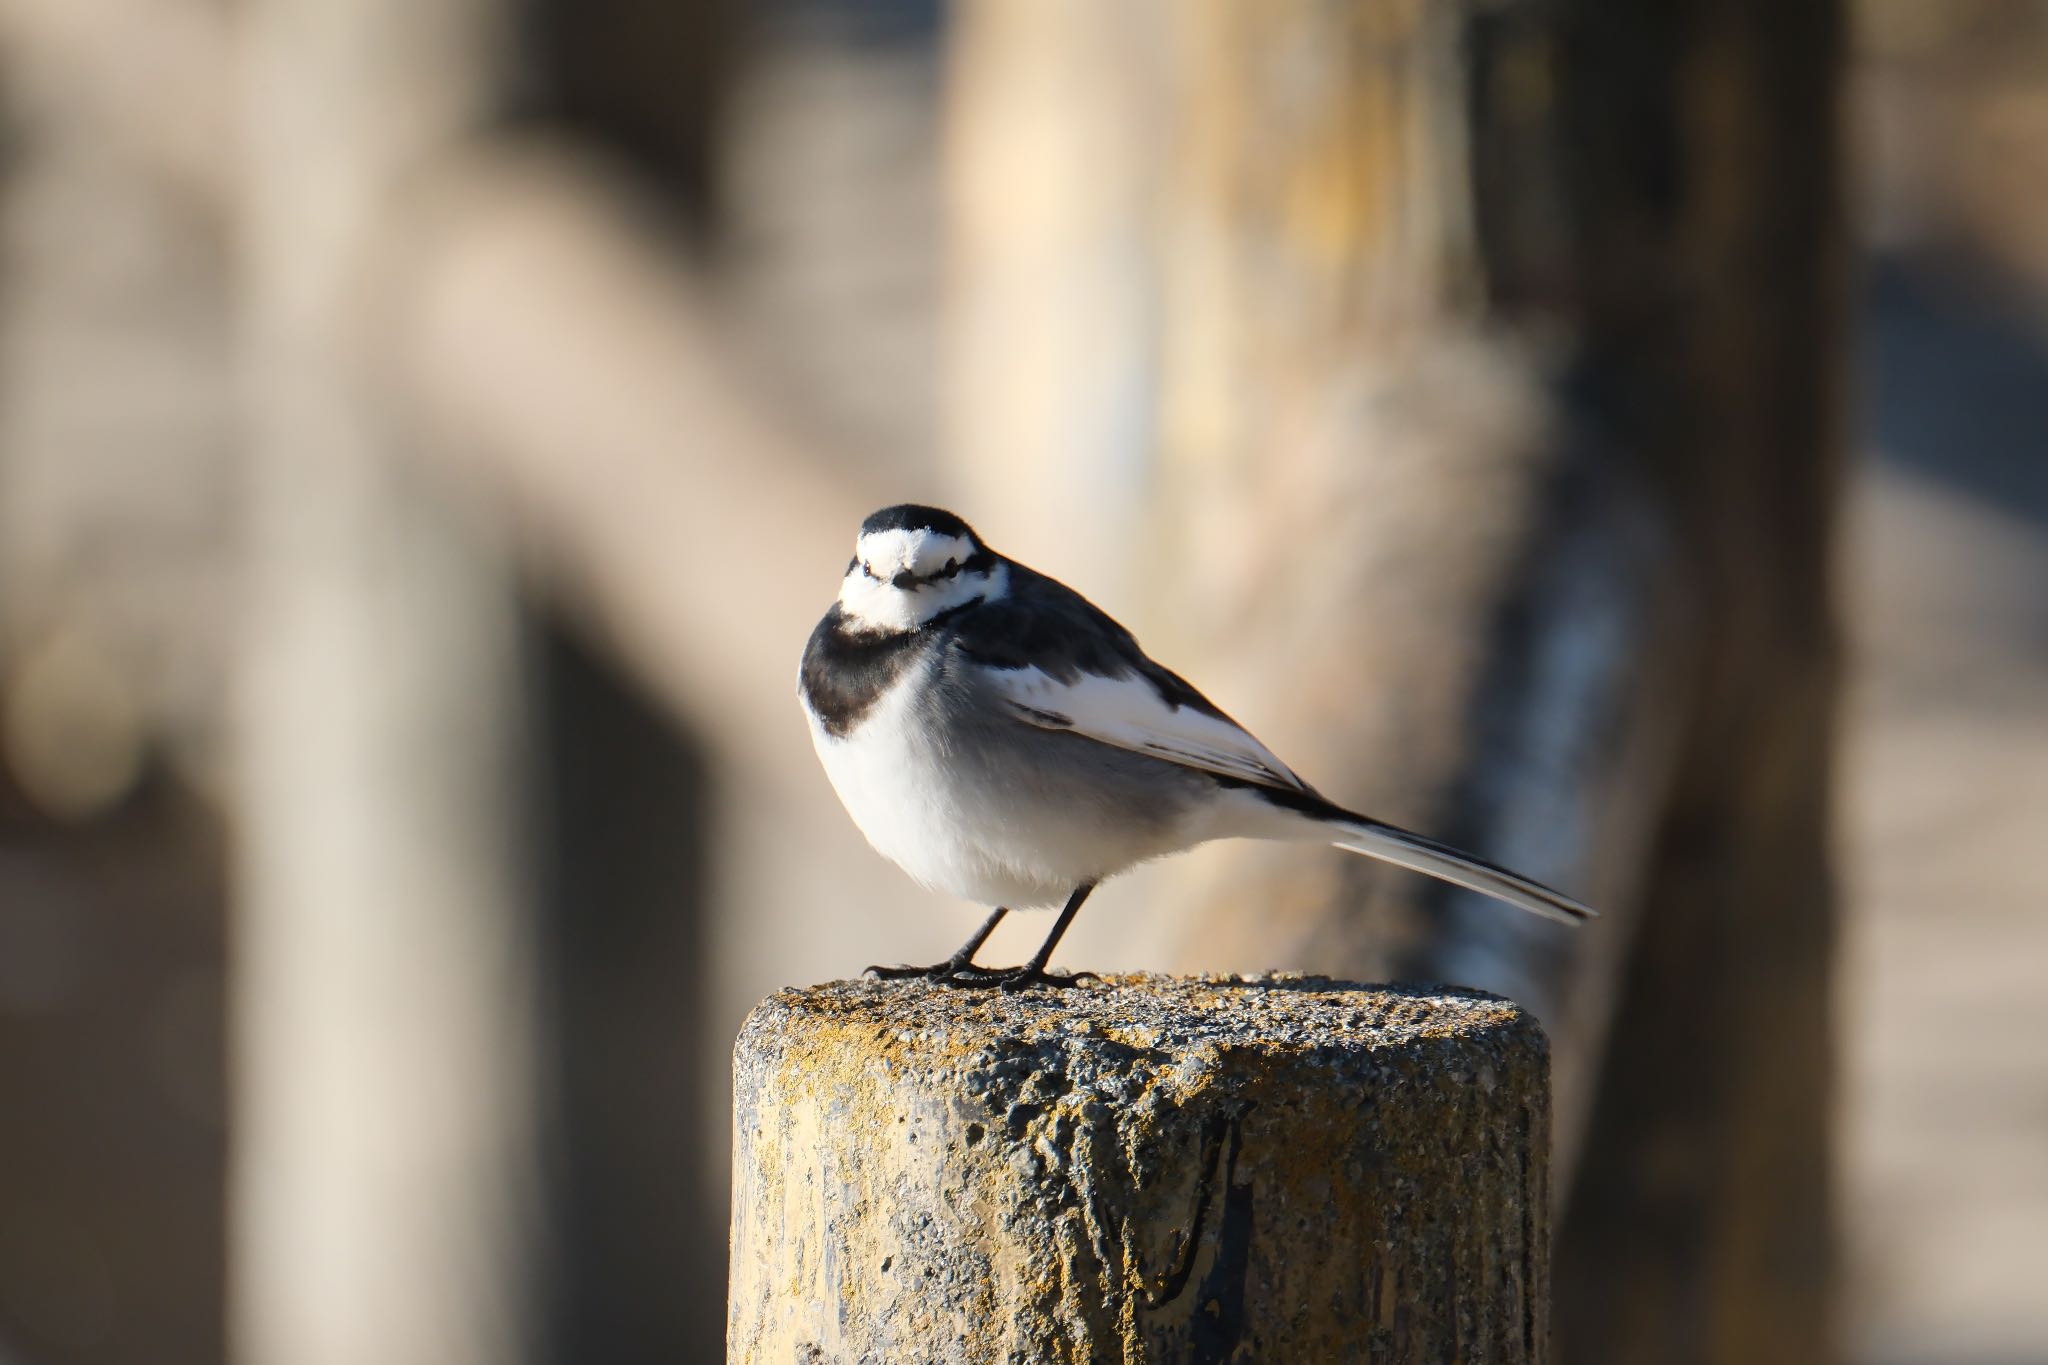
pixel 1281 1169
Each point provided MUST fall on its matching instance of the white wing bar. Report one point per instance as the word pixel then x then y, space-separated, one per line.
pixel 1127 713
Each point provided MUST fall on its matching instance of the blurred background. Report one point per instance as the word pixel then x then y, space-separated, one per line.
pixel 1613 440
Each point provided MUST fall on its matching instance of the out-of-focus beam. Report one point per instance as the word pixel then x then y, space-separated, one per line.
pixel 563 349
pixel 155 79
pixel 573 370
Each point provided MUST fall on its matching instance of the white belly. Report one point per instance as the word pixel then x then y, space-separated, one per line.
pixel 963 838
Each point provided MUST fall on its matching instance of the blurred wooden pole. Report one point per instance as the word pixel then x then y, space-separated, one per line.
pixel 1157 1170
pixel 385 1147
pixel 1713 252
pixel 1499 369
pixel 1367 512
pixel 1051 183
pixel 1367 474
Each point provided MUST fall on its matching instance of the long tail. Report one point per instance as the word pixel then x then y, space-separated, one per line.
pixel 1375 839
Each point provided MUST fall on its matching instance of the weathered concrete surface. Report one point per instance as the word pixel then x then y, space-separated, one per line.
pixel 1279 1169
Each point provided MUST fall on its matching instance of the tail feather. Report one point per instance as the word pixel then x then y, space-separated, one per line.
pixel 1392 844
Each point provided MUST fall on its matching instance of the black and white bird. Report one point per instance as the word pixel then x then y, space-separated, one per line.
pixel 1002 739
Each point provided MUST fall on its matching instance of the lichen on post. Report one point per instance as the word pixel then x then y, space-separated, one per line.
pixel 1152 1169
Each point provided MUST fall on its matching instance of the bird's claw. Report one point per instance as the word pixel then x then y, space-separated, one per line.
pixel 1010 980
pixel 948 973
pixel 1017 979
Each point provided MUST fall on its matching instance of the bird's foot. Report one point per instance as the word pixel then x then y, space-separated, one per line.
pixel 1025 978
pixel 954 972
pixel 951 972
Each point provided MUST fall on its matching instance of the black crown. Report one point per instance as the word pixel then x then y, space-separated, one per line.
pixel 909 516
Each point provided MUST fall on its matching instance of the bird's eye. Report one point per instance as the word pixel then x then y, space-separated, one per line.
pixel 952 568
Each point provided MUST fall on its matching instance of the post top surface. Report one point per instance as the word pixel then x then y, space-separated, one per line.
pixel 1281 1011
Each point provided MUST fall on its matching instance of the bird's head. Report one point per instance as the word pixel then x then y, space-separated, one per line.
pixel 911 563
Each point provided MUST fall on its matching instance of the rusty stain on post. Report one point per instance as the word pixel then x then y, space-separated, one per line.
pixel 1155 1169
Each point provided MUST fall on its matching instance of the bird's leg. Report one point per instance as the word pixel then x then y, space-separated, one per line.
pixel 1033 973
pixel 959 968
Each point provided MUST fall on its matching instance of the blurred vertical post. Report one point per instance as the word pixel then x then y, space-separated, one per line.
pixel 1051 160
pixel 385 1142
pixel 1498 377
pixel 1353 482
pixel 1373 468
pixel 1712 254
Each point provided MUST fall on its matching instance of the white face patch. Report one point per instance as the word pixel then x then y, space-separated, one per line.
pixel 873 602
pixel 921 553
